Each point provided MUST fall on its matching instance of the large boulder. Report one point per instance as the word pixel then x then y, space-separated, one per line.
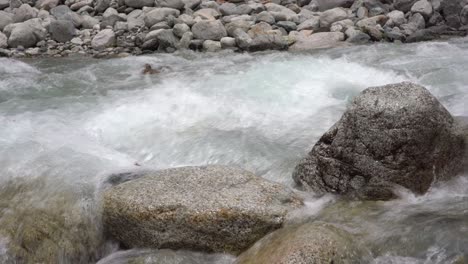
pixel 404 5
pixel 104 39
pixel 176 4
pixel 323 5
pixel 26 34
pixel 24 13
pixel 321 40
pixel 5 19
pixel 423 7
pixel 317 243
pixel 451 10
pixel 101 5
pixel 333 15
pixel 165 256
pixel 61 30
pixel 393 135
pixel 139 3
pixel 61 228
pixel 159 14
pixel 209 30
pixel 212 208
pixel 3 41
pixel 4 4
pixel 63 12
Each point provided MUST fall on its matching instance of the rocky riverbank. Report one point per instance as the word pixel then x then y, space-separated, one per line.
pixel 105 28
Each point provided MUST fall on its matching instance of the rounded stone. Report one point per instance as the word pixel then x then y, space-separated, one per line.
pixel 212 208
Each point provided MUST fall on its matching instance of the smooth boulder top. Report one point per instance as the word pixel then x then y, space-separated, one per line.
pixel 316 242
pixel 212 208
pixel 393 135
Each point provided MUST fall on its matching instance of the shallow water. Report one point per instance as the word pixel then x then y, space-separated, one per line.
pixel 68 123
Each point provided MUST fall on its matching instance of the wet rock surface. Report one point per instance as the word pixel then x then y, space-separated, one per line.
pixel 317 242
pixel 393 135
pixel 163 209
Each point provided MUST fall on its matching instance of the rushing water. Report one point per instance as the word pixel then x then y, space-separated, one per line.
pixel 67 123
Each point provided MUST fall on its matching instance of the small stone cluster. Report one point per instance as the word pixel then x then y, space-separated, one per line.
pixel 125 27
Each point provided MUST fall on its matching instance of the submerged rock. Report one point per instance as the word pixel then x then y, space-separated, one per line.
pixel 212 208
pixel 317 243
pixel 165 256
pixel 397 134
pixel 40 224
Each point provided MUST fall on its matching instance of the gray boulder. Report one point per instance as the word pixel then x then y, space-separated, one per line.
pixel 180 29
pixel 333 15
pixel 15 4
pixel 317 243
pixel 403 5
pixel 47 4
pixel 397 18
pixel 211 46
pixel 5 19
pixel 101 5
pixel 464 15
pixel 139 3
pixel 265 16
pixel 271 7
pixel 228 9
pixel 451 10
pixel 207 14
pixel 26 34
pixel 4 4
pixel 104 39
pixel 423 7
pixel 435 20
pixel 393 135
pixel 176 4
pixel 185 40
pixel 63 12
pixel 110 20
pixel 310 24
pixel 228 43
pixel 319 40
pixel 61 30
pixel 375 7
pixel 89 22
pixel 428 34
pixel 415 22
pixel 287 25
pixel 356 36
pixel 163 209
pixel 209 30
pixel 159 14
pixel 323 5
pixel 3 41
pixel 268 41
pixel 167 40
pixel 165 256
pixel 23 13
pixel 191 4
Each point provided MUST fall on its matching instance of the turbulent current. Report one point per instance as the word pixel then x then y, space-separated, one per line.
pixel 66 124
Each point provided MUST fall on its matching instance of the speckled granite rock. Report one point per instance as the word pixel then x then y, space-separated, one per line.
pixel 397 134
pixel 316 243
pixel 212 208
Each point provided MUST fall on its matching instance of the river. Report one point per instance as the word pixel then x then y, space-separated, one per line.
pixel 67 123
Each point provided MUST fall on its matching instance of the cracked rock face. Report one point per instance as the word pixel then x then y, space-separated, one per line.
pixel 394 135
pixel 212 208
